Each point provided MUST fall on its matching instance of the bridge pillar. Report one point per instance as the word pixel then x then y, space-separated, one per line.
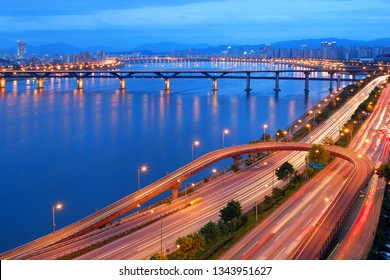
pixel 236 162
pixel 122 83
pixel 175 192
pixel 167 84
pixel 248 83
pixel 80 83
pixel 2 83
pixel 338 81
pixel 40 83
pixel 215 84
pixel 353 78
pixel 276 89
pixel 307 74
pixel 331 81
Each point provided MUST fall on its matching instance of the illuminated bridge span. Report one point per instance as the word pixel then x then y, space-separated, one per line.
pixel 167 75
pixel 364 170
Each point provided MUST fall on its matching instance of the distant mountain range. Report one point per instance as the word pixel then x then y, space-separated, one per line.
pixel 60 48
pixel 167 47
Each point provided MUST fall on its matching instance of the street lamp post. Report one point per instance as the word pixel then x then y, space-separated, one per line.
pixel 225 131
pixel 141 169
pixel 309 127
pixel 55 207
pixel 350 134
pixel 264 126
pixel 196 143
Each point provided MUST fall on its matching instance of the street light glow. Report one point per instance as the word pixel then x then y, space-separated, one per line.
pixel 55 207
pixel 264 126
pixel 225 131
pixel 143 168
pixel 196 143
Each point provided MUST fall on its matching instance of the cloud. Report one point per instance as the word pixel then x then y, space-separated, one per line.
pixel 206 21
pixel 55 7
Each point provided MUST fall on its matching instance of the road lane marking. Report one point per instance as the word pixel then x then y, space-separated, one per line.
pixel 250 248
pixel 280 253
pixel 281 235
pixel 307 222
pixel 306 208
pixel 282 218
pixel 306 196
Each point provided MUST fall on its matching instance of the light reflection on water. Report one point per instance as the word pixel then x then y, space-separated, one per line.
pixel 83 148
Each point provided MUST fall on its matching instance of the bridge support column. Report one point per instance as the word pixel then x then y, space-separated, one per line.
pixel 215 85
pixel 276 89
pixel 338 82
pixel 122 83
pixel 331 82
pixel 167 84
pixel 175 192
pixel 40 83
pixel 353 78
pixel 2 83
pixel 80 83
pixel 236 163
pixel 248 83
pixel 307 74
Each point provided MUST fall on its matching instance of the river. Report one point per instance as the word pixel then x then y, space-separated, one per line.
pixel 84 148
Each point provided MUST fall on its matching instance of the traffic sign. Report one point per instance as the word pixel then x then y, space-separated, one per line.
pixel 317 165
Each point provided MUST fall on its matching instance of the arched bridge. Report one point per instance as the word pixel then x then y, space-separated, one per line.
pixel 363 165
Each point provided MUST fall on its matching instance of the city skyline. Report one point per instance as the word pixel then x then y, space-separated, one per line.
pixel 127 25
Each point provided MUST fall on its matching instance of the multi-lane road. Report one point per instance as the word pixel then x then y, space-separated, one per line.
pixel 360 237
pixel 262 242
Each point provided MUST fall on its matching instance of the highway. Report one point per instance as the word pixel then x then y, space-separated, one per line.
pixel 246 186
pixel 278 235
pixel 256 186
pixel 360 237
pixel 261 243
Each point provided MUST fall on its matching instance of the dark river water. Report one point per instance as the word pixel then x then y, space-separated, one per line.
pixel 84 148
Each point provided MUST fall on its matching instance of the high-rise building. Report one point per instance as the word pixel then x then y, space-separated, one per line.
pixel 21 49
pixel 329 50
pixel 101 55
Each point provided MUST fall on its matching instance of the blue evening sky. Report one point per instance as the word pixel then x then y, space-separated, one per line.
pixel 129 23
